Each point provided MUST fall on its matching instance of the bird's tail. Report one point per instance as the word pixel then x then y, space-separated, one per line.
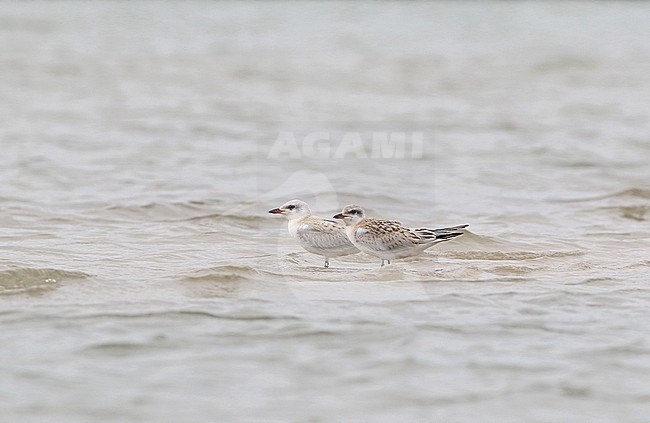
pixel 431 236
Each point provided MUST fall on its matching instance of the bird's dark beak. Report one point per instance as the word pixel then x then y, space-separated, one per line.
pixel 275 211
pixel 339 216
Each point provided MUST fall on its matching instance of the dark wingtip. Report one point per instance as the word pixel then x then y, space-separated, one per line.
pixel 448 236
pixel 454 228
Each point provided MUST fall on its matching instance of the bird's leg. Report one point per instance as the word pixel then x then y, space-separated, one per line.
pixel 382 263
pixel 388 261
pixel 327 263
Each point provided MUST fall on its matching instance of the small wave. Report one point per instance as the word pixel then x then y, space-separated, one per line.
pixel 633 192
pixel 598 280
pixel 159 211
pixel 564 63
pixel 28 279
pixel 638 213
pixel 501 255
pixel 471 241
pixel 226 273
pixel 511 270
pixel 357 197
pixel 642 263
pixel 121 348
pixel 245 219
pixel 628 193
pixel 181 313
pixel 193 211
pixel 629 204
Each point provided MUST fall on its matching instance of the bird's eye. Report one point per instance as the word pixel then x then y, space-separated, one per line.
pixel 291 207
pixel 354 211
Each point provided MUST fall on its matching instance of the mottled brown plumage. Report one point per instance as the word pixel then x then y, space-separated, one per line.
pixel 388 239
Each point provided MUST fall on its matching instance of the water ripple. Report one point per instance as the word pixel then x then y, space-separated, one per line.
pixel 22 280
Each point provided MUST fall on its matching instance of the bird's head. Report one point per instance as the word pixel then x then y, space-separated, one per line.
pixel 294 209
pixel 351 214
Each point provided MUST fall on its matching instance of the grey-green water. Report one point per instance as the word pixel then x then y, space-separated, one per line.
pixel 142 143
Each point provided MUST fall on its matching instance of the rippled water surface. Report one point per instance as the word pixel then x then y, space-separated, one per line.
pixel 142 279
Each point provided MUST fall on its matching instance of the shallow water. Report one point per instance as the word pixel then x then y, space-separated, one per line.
pixel 142 144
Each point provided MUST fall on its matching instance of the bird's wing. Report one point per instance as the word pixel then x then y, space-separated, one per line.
pixel 384 235
pixel 442 230
pixel 427 236
pixel 323 234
